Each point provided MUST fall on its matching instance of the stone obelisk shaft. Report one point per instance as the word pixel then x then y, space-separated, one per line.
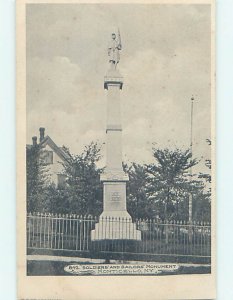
pixel 114 130
pixel 115 222
pixel 114 178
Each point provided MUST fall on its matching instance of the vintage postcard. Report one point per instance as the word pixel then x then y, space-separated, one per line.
pixel 116 150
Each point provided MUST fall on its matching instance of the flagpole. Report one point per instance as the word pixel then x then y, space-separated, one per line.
pixel 191 171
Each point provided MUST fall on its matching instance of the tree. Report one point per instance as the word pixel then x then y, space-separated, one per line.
pixel 138 202
pixel 169 180
pixel 201 206
pixel 37 180
pixel 83 194
pixel 83 191
pixel 207 176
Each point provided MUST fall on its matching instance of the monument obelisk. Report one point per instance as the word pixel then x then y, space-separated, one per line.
pixel 114 222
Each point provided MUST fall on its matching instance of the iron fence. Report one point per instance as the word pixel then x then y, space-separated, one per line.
pixel 73 233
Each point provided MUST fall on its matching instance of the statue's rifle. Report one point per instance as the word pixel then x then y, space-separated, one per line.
pixel 119 38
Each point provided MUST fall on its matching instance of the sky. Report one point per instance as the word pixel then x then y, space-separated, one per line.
pixel 165 59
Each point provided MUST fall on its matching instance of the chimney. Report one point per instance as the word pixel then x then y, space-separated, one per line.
pixel 34 140
pixel 42 130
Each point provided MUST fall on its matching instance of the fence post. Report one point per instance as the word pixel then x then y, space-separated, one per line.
pixel 166 231
pixel 190 231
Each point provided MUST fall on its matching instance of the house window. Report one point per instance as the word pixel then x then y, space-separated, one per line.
pixel 61 181
pixel 47 157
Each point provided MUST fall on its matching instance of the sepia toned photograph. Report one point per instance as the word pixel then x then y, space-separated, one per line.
pixel 117 168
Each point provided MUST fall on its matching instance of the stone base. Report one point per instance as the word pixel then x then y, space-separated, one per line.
pixel 115 225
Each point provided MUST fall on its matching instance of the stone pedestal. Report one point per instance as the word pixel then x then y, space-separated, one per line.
pixel 111 228
pixel 115 222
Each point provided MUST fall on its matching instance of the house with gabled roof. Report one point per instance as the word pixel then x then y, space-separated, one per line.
pixel 52 156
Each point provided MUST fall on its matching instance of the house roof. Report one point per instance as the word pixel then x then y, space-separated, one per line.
pixel 58 150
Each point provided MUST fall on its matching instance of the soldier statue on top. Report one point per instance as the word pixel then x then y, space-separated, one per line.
pixel 113 50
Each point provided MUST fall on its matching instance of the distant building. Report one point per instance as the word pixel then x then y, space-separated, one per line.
pixel 52 156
